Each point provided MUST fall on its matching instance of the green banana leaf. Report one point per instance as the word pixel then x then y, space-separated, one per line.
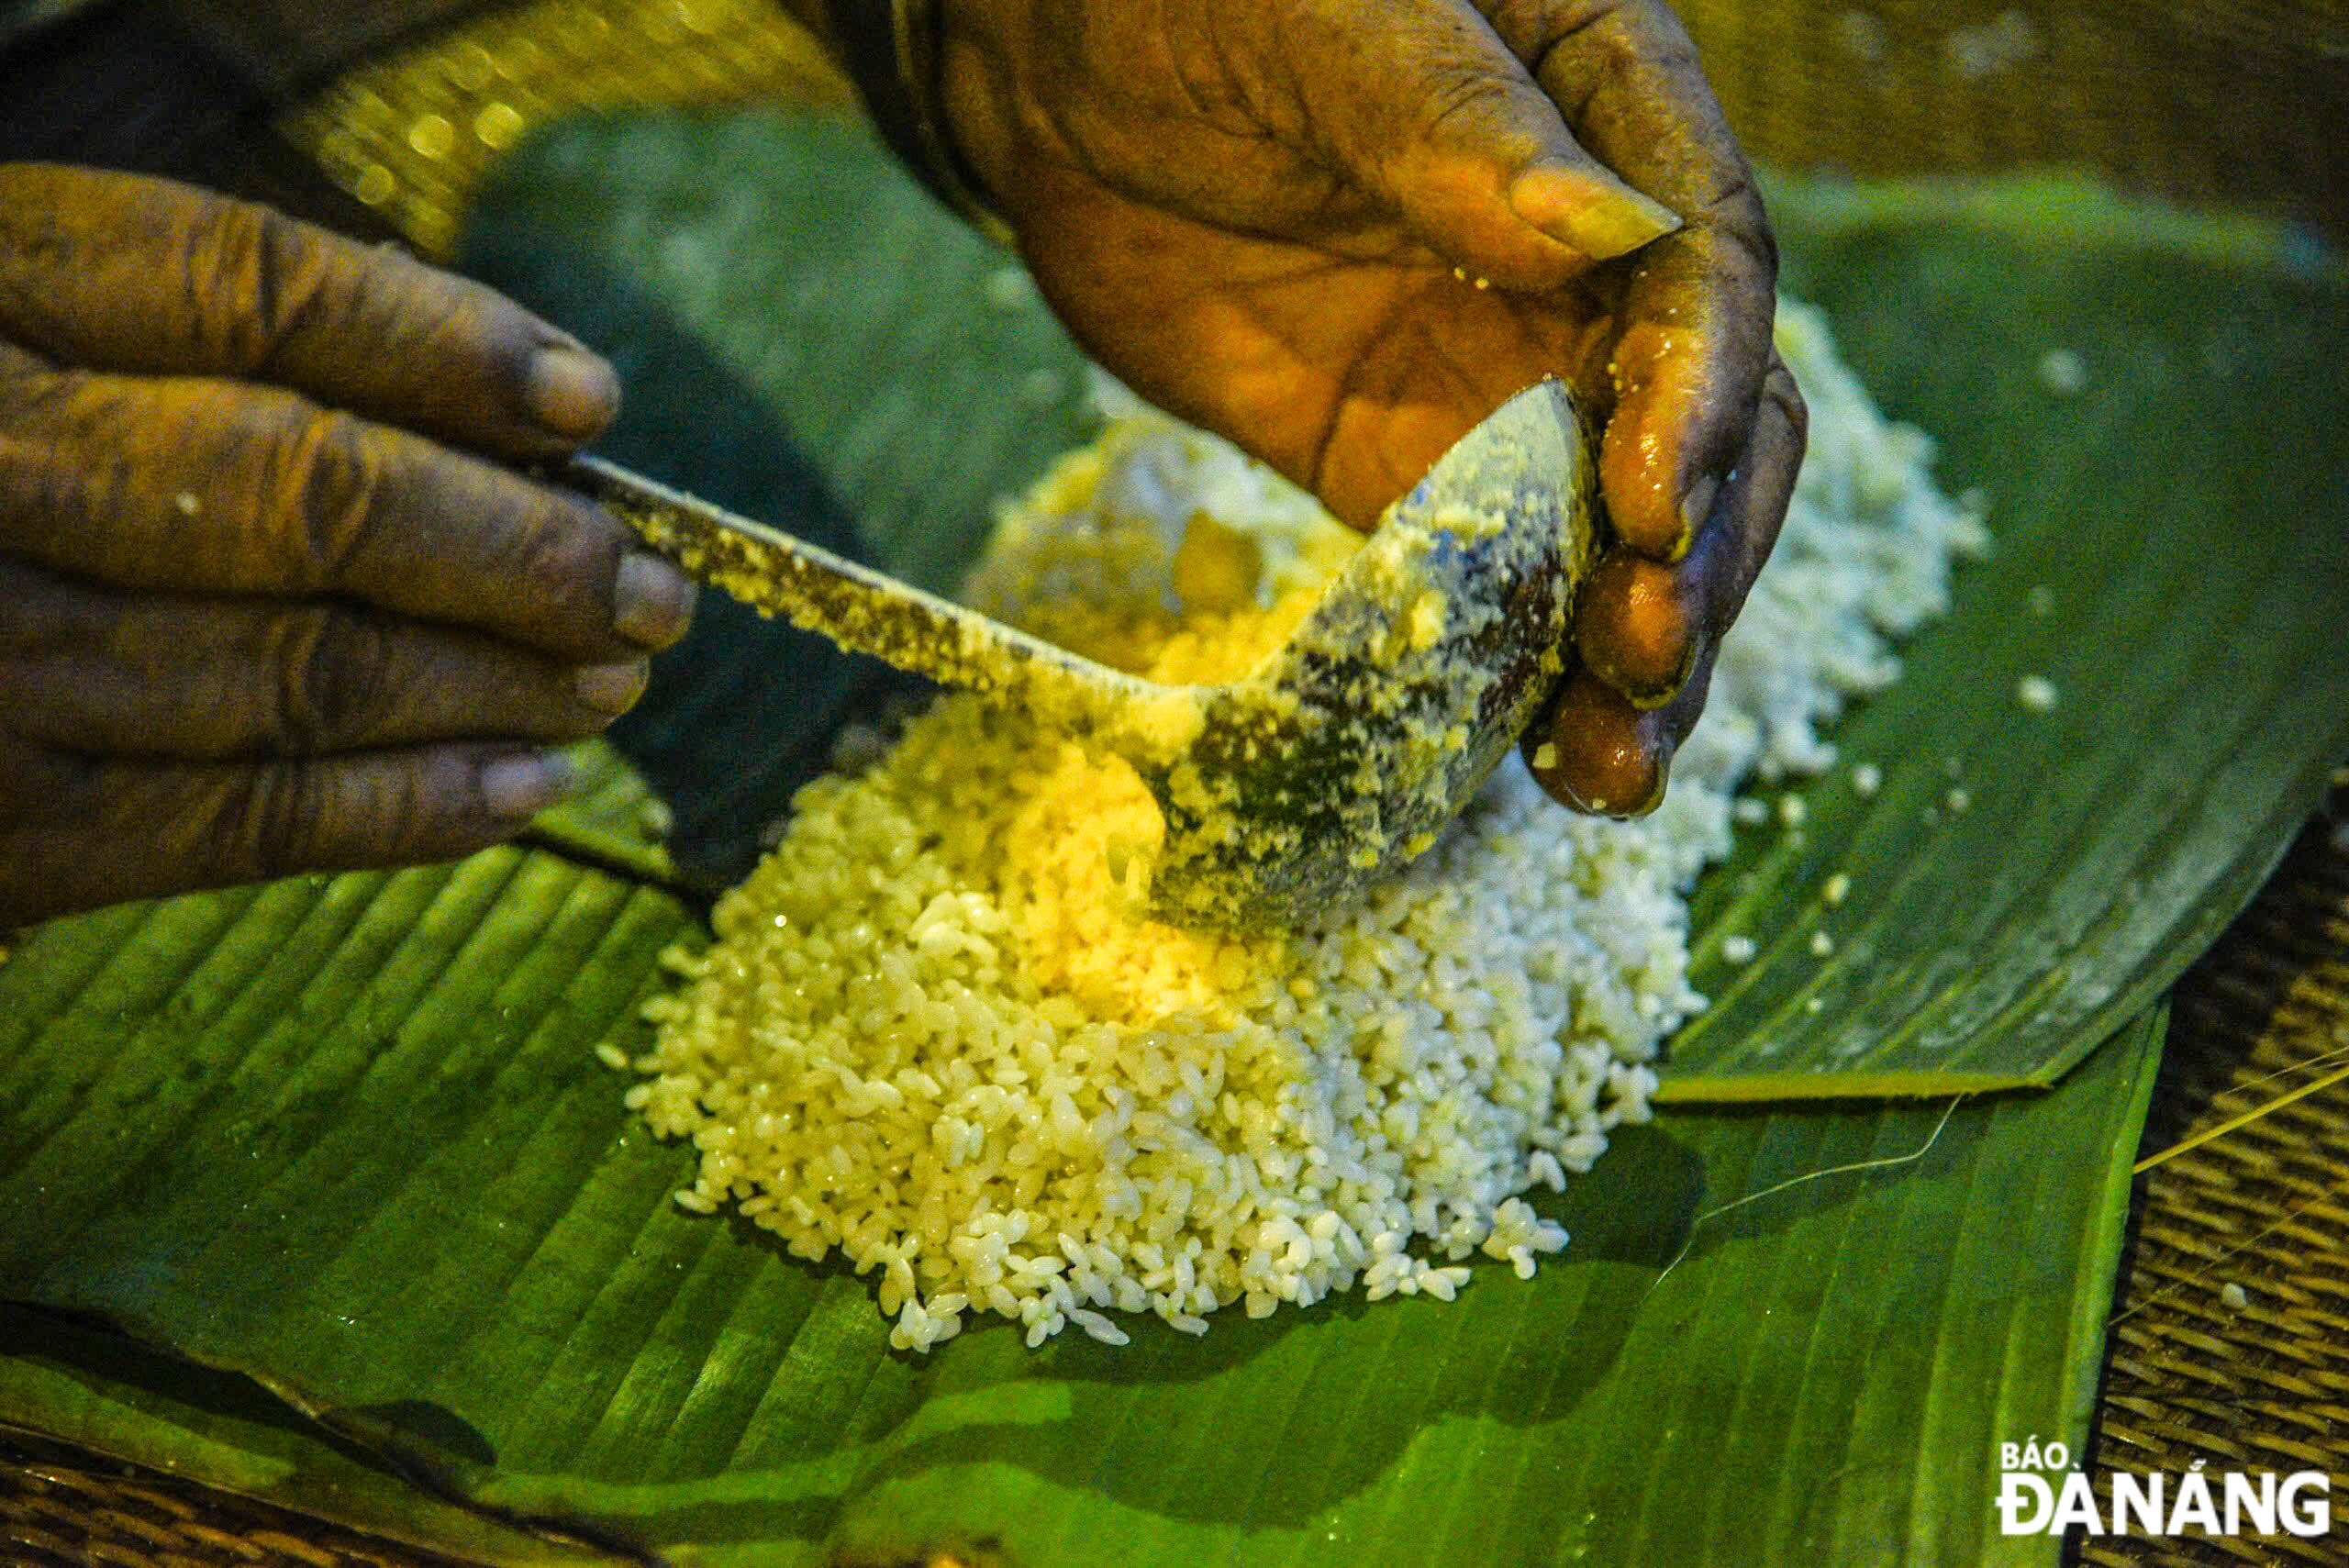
pixel 2168 551
pixel 349 1136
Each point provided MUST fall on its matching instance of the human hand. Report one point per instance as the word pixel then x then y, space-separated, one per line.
pixel 255 616
pixel 1342 236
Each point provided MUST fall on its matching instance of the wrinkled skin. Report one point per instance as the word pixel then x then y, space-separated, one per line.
pixel 1259 217
pixel 271 599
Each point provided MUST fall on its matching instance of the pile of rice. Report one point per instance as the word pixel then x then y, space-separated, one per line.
pixel 938 1031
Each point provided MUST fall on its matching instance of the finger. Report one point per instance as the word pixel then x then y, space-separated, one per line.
pixel 182 676
pixel 1637 623
pixel 1687 368
pixel 1431 111
pixel 1698 306
pixel 120 273
pixel 216 487
pixel 1598 750
pixel 1640 625
pixel 1598 754
pixel 81 832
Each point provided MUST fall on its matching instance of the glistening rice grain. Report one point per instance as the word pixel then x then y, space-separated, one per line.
pixel 938 1033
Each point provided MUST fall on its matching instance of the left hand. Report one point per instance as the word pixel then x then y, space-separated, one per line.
pixel 1341 236
pixel 273 597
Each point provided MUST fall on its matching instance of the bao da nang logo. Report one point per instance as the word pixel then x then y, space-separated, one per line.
pixel 2040 1494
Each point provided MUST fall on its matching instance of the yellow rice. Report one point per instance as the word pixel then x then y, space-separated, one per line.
pixel 938 1031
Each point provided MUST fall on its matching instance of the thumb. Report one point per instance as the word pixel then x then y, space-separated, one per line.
pixel 1430 111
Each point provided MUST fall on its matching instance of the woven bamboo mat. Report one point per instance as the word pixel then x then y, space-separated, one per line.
pixel 2258 1380
pixel 65 1507
pixel 2255 1383
pixel 2256 1376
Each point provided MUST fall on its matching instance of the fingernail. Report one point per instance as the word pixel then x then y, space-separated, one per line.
pixel 571 392
pixel 1629 221
pixel 1563 789
pixel 1634 628
pixel 1543 761
pixel 652 602
pixel 1589 209
pixel 1697 505
pixel 516 788
pixel 1647 696
pixel 611 688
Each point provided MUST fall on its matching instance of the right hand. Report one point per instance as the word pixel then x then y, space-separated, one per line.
pixel 268 600
pixel 1266 219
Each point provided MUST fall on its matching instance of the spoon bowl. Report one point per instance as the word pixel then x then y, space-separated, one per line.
pixel 1337 759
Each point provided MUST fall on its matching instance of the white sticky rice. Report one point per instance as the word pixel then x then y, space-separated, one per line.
pixel 938 1033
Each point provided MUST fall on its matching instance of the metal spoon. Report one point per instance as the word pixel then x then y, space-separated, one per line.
pixel 1339 758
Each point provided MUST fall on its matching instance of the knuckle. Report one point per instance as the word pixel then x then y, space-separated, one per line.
pixel 250 269
pixel 332 679
pixel 1732 211
pixel 1654 36
pixel 326 473
pixel 269 825
pixel 567 557
pixel 1528 27
pixel 1456 102
pixel 1630 39
pixel 462 329
pixel 469 322
pixel 1532 27
pixel 1608 41
pixel 62 466
pixel 1733 202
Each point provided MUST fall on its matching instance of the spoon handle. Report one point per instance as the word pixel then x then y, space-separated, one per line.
pixel 871 612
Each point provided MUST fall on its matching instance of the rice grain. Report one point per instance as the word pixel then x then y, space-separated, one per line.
pixel 939 1032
